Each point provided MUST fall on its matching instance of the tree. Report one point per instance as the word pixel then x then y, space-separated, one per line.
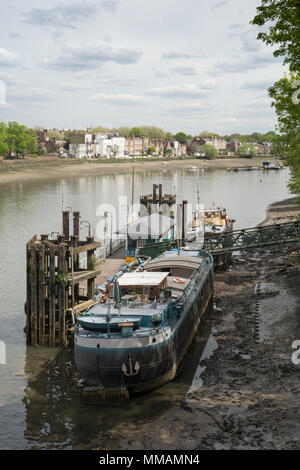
pixel 168 152
pixel 20 140
pixel 284 32
pixel 153 132
pixel 169 136
pixel 100 130
pixel 181 137
pixel 122 131
pixel 209 151
pixel 284 29
pixel 248 149
pixel 136 131
pixel 152 150
pixel 3 137
pixel 287 106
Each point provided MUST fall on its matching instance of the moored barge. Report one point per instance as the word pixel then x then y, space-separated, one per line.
pixel 138 338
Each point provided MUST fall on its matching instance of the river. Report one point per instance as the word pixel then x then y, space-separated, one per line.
pixel 40 403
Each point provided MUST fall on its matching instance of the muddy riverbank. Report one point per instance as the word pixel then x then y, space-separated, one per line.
pixel 250 397
pixel 33 169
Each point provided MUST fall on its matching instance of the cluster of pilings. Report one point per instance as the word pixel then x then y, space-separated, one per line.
pixel 157 199
pixel 53 279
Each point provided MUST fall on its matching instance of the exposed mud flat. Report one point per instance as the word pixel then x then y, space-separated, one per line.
pixel 249 392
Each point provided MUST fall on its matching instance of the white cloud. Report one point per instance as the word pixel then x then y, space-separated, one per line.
pixel 8 78
pixel 119 98
pixel 180 55
pixel 29 95
pixel 257 85
pixel 8 58
pixel 250 61
pixel 71 87
pixel 218 5
pixel 183 90
pixel 66 16
pixel 184 70
pixel 91 56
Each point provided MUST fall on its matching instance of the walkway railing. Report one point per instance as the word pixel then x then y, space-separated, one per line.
pixel 258 237
pixel 245 239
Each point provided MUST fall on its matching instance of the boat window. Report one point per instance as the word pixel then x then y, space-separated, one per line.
pixel 127 331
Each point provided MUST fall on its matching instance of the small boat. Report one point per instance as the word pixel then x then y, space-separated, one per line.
pixel 216 221
pixel 137 337
pixel 246 168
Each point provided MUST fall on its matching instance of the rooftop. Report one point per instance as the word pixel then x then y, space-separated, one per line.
pixel 142 279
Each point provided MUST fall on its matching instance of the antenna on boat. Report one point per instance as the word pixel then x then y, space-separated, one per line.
pixel 132 187
pixel 108 317
pixel 62 202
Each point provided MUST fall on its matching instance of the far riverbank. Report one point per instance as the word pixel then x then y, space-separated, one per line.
pixel 45 168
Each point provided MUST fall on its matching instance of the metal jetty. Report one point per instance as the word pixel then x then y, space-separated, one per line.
pixel 245 239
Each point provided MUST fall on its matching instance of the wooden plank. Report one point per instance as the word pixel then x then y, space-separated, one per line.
pixel 89 247
pixel 82 307
pixel 66 224
pixel 41 295
pixel 33 297
pixel 62 295
pixel 28 293
pixel 83 275
pixel 51 294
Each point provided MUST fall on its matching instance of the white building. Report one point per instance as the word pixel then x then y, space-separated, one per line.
pixel 96 146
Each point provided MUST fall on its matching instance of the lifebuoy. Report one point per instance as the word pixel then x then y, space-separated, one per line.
pixel 178 279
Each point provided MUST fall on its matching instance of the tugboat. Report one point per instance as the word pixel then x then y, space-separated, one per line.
pixel 216 221
pixel 137 335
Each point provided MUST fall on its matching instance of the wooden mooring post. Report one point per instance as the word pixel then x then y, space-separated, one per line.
pixel 155 201
pixel 53 278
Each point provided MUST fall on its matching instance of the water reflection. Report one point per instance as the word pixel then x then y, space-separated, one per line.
pixel 52 410
pixel 57 415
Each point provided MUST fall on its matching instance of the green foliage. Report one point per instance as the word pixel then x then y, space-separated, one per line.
pixel 168 152
pixel 169 136
pixel 181 137
pixel 248 149
pixel 122 131
pixel 15 138
pixel 254 137
pixel 152 150
pixel 209 151
pixel 100 130
pixel 136 131
pixel 53 133
pixel 287 107
pixel 3 143
pixel 208 134
pixel 62 278
pixel 284 19
pixel 153 132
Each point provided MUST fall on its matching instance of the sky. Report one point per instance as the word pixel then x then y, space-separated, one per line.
pixel 183 65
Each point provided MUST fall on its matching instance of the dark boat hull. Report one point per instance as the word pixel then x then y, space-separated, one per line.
pixel 158 363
